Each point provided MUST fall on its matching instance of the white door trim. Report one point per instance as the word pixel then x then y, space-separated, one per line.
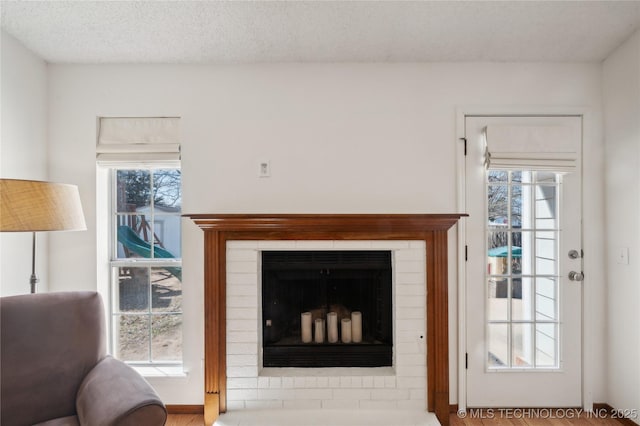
pixel 588 326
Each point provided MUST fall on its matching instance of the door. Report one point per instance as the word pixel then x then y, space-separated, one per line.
pixel 523 238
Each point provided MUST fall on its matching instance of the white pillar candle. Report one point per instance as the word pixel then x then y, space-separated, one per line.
pixel 356 327
pixel 332 327
pixel 305 325
pixel 319 331
pixel 346 330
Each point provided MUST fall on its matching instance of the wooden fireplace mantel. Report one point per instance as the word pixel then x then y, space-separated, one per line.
pixel 220 228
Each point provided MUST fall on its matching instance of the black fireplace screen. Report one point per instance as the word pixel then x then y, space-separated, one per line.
pixel 327 309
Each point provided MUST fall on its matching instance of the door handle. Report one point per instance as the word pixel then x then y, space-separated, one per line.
pixel 576 276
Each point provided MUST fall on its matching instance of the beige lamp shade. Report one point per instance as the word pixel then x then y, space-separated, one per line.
pixel 29 205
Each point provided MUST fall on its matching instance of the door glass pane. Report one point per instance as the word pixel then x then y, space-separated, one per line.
pixel 546 299
pixel 497 176
pixel 516 204
pixel 522 302
pixel 498 254
pixel 546 204
pixel 521 252
pixel 498 299
pixel 522 269
pixel 498 339
pixel 497 200
pixel 546 345
pixel 546 253
pixel 522 345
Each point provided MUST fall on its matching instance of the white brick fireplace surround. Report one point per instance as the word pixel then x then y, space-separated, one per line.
pixel 249 386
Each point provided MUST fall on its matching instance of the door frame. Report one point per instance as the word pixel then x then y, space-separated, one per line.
pixel 588 324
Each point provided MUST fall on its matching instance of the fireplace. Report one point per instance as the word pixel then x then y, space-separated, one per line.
pixel 227 293
pixel 327 308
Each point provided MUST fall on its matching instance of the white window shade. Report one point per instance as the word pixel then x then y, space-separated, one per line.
pixel 139 141
pixel 553 148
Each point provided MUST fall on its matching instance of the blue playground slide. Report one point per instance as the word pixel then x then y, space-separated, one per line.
pixel 132 242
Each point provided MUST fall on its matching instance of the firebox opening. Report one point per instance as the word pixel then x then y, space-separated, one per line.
pixel 327 309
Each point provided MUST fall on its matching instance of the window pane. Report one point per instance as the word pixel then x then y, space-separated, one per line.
pixel 166 344
pixel 167 233
pixel 498 204
pixel 546 299
pixel 132 292
pixel 523 253
pixel 516 206
pixel 546 214
pixel 132 337
pixel 134 234
pixel 166 289
pixel 133 190
pixel 546 177
pixel 522 345
pixel 497 299
pixel 546 345
pixel 167 187
pixel 498 336
pixel 497 176
pixel 546 253
pixel 522 299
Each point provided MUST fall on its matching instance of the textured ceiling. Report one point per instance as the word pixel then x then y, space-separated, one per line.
pixel 319 31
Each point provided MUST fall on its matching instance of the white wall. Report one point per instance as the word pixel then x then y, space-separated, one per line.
pixel 341 138
pixel 621 83
pixel 23 155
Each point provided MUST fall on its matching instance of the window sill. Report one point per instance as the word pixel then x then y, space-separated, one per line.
pixel 170 371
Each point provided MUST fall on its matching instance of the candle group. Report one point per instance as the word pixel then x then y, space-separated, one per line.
pixel 314 330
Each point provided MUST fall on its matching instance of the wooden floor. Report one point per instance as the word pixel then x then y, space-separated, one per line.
pixel 185 420
pixel 473 418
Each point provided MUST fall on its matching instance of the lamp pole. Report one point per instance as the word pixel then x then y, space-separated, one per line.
pixel 34 279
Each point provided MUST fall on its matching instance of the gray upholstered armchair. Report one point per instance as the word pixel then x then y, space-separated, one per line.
pixel 54 370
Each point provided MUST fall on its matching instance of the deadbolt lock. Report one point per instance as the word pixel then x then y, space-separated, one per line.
pixel 574 254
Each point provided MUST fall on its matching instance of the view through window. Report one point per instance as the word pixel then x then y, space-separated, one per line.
pixel 522 269
pixel 146 265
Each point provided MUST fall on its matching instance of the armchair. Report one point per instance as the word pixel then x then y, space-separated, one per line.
pixel 54 370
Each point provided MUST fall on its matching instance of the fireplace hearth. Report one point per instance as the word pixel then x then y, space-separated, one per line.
pixel 344 285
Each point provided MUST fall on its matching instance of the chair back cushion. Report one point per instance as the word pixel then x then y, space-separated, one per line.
pixel 48 344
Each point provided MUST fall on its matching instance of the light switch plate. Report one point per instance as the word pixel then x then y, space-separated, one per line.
pixel 623 256
pixel 264 168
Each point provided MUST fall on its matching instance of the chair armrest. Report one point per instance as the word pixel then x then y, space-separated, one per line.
pixel 114 394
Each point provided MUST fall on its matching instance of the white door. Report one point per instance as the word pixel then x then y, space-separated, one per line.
pixel 523 238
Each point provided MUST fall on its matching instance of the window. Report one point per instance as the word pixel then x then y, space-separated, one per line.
pixel 522 269
pixel 146 266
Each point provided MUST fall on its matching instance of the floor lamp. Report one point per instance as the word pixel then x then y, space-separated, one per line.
pixel 34 206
